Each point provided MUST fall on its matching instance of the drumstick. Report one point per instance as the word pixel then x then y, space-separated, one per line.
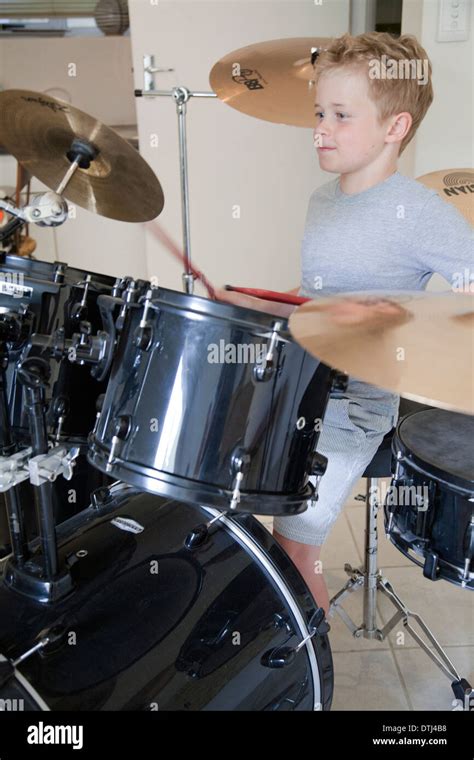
pixel 270 295
pixel 164 238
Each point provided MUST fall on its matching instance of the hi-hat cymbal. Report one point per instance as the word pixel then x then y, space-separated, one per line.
pixel 271 80
pixel 39 131
pixel 455 186
pixel 419 345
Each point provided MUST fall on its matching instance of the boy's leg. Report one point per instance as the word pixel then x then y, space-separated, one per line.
pixel 349 440
pixel 306 557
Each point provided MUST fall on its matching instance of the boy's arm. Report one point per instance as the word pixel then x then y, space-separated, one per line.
pixel 443 242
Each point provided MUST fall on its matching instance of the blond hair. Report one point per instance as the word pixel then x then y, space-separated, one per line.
pixel 391 96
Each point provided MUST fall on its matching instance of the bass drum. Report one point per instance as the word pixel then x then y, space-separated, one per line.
pixel 158 622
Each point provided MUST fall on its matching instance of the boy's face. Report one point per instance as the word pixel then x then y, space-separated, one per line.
pixel 346 121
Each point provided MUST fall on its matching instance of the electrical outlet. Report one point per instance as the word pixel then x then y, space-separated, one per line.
pixel 453 20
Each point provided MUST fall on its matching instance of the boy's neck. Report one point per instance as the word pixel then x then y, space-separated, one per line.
pixel 357 182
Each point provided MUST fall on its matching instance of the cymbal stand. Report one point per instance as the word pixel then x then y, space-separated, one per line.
pixel 181 96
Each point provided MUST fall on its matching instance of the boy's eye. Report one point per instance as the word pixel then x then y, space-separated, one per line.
pixel 342 115
pixel 318 114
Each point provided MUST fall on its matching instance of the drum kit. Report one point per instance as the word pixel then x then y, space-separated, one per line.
pixel 134 575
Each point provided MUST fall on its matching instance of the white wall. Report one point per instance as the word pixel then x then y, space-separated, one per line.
pixel 269 170
pixel 103 87
pixel 444 137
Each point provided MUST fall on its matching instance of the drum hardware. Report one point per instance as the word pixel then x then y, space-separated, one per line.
pixel 79 157
pixel 372 580
pixel 265 369
pixel 181 96
pixel 241 464
pixel 43 468
pixel 60 409
pixel 317 467
pixel 418 458
pixel 41 578
pixel 14 512
pixel 48 209
pixel 281 657
pixel 200 533
pixel 79 310
pixel 59 273
pixel 122 430
pixel 143 335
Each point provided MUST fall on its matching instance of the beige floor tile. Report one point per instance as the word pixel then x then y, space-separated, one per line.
pixel 447 609
pixel 367 681
pixel 428 688
pixel 389 555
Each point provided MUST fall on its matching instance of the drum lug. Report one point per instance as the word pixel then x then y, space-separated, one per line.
pixel 431 568
pixel 122 429
pixel 265 369
pixel 144 332
pixel 317 467
pixel 280 657
pixel 241 463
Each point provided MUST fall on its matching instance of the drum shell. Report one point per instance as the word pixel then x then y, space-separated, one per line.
pixel 190 419
pixel 442 531
pixel 51 303
pixel 168 640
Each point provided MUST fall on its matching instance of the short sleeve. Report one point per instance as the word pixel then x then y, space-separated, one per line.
pixel 443 240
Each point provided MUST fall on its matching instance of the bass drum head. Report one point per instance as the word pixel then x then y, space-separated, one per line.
pixel 158 625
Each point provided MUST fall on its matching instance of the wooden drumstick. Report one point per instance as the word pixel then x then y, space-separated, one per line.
pixel 270 295
pixel 173 248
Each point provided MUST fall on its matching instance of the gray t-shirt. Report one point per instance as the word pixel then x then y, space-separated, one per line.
pixel 393 236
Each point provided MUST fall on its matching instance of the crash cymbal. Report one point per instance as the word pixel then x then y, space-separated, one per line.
pixel 419 345
pixel 455 186
pixel 39 131
pixel 271 80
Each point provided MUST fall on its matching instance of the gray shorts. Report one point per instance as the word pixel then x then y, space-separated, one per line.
pixel 351 433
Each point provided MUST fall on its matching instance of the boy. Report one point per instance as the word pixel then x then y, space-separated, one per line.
pixel 369 229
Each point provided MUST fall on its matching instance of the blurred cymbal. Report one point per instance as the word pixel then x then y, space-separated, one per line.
pixel 274 81
pixel 455 186
pixel 419 345
pixel 39 130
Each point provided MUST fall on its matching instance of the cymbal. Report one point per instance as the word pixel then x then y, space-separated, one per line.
pixel 419 345
pixel 39 130
pixel 274 81
pixel 455 186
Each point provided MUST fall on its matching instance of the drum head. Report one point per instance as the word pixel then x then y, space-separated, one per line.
pixel 440 444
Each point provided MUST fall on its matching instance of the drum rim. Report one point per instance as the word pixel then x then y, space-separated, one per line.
pixel 424 466
pixel 34 268
pixel 207 308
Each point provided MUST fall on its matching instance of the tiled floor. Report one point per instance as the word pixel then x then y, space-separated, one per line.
pixel 394 674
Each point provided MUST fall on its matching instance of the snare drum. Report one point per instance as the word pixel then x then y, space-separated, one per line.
pixel 214 404
pixel 430 507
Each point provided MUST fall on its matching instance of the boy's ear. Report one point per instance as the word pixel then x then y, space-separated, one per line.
pixel 399 126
